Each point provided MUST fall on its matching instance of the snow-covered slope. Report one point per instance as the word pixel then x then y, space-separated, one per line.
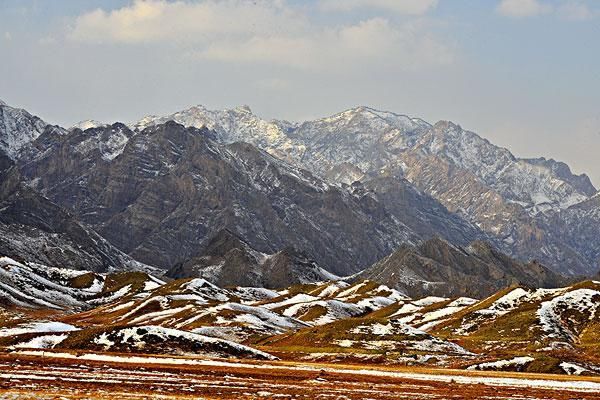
pixel 563 317
pixel 33 285
pixel 537 184
pixel 157 339
pixel 355 137
pixel 234 125
pixel 19 128
pixel 109 141
pixel 370 140
pixel 244 313
pixel 87 124
pixel 543 330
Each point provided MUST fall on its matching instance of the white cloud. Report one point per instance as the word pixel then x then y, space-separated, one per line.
pixel 522 8
pixel 185 22
pixel 409 7
pixel 7 36
pixel 267 32
pixel 371 42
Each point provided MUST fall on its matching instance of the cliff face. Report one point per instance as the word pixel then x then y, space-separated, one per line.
pixel 34 228
pixel 170 189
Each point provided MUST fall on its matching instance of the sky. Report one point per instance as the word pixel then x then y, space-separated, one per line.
pixel 524 74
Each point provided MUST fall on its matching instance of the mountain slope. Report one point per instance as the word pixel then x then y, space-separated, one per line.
pixel 170 189
pixel 436 267
pixel 18 128
pixel 228 261
pixel 161 194
pixel 32 228
pixel 505 196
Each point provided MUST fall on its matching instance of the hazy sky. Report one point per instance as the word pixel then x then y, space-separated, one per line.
pixel 523 73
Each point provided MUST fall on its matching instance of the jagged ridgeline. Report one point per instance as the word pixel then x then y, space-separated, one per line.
pixel 233 198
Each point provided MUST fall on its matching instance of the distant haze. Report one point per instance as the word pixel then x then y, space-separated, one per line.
pixel 523 74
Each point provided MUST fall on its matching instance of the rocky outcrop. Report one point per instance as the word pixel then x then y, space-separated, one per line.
pixel 228 261
pixel 437 267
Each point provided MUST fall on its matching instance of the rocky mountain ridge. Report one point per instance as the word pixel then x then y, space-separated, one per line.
pixel 507 197
pixel 371 139
pixel 438 268
pixel 162 193
pixel 416 181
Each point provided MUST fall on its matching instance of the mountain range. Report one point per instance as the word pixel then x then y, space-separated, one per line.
pixel 523 204
pixel 225 194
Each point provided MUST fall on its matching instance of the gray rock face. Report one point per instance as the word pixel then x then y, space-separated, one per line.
pixel 438 268
pixel 162 193
pixel 579 226
pixel 228 261
pixel 425 215
pixel 507 197
pixel 172 188
pixel 33 228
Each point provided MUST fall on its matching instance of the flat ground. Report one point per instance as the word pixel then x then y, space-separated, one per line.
pixel 37 375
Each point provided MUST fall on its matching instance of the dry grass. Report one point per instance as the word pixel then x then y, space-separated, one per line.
pixel 45 378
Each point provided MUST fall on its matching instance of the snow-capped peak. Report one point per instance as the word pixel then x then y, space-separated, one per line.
pixel 366 139
pixel 375 119
pixel 87 124
pixel 244 108
pixel 2 103
pixel 537 184
pixel 18 128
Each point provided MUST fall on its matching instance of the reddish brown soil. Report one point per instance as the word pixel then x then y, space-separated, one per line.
pixel 26 377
